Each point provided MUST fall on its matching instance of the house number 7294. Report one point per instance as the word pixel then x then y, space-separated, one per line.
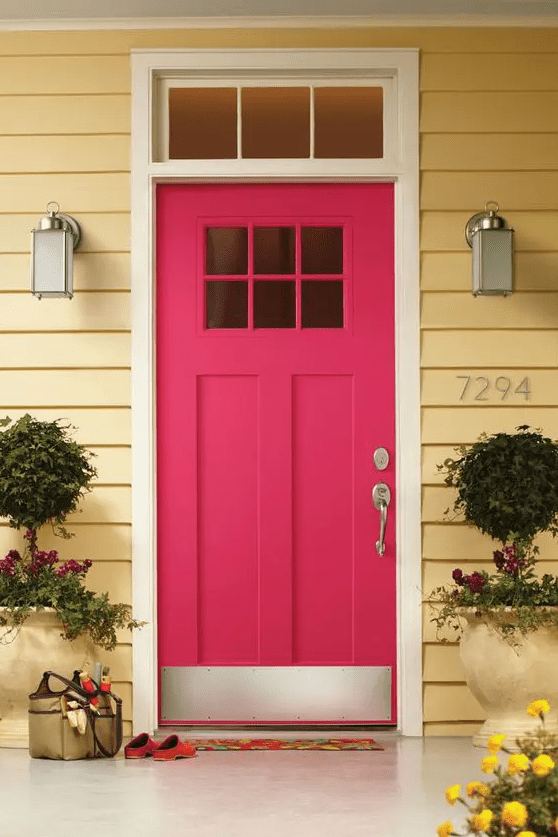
pixel 481 388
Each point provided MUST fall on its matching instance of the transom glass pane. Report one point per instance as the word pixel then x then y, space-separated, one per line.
pixel 275 122
pixel 226 304
pixel 349 122
pixel 274 304
pixel 202 123
pixel 322 304
pixel 226 251
pixel 274 250
pixel 322 249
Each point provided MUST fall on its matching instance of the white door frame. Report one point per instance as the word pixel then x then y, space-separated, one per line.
pixel 398 69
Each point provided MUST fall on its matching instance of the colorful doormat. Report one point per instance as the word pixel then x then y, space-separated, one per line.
pixel 284 744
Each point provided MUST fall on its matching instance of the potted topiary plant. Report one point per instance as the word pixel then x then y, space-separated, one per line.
pixel 49 617
pixel 506 620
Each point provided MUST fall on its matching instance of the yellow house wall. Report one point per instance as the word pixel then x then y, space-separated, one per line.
pixel 489 130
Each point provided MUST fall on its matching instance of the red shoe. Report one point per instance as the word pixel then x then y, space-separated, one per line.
pixel 140 747
pixel 172 748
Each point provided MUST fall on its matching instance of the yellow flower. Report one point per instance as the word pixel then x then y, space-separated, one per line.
pixel 542 765
pixel 453 793
pixel 477 788
pixel 517 763
pixel 488 764
pixel 526 834
pixel 482 821
pixel 495 742
pixel 514 814
pixel 445 829
pixel 538 707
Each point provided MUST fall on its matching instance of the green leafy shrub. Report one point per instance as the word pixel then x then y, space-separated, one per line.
pixel 507 486
pixel 44 474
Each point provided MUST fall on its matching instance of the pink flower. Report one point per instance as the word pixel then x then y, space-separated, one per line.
pixel 457 576
pixel 475 582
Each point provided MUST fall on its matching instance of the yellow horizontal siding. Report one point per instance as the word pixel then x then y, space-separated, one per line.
pixel 103 232
pixel 481 72
pixel 488 112
pixel 94 425
pixel 455 728
pixel 474 349
pixel 92 272
pixel 442 663
pixel 463 542
pixel 85 387
pixel 65 115
pixel 431 457
pixel 104 504
pixel 98 192
pixel 445 230
pixel 489 152
pixel 63 154
pixel 450 702
pixel 533 190
pixel 435 501
pixel 100 542
pixel 462 310
pixel 113 464
pixel 114 578
pixel 87 311
pixel 445 271
pixel 457 425
pixel 444 387
pixel 59 74
pixel 72 350
pixel 446 40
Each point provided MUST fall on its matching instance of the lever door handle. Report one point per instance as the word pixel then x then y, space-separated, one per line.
pixel 381 497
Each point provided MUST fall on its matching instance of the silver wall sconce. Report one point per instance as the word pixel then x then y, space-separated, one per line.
pixel 52 254
pixel 492 244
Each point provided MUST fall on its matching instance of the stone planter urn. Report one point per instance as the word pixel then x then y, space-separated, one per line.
pixel 505 678
pixel 24 655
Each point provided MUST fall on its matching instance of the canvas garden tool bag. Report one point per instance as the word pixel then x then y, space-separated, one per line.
pixel 64 724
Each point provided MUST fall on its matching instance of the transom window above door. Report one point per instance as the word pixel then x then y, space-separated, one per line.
pixel 279 277
pixel 292 121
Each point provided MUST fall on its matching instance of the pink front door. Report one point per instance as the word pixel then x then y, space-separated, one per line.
pixel 275 385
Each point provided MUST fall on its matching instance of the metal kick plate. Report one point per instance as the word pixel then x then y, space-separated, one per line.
pixel 276 693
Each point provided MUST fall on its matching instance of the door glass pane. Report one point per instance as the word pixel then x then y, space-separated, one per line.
pixel 349 122
pixel 202 123
pixel 226 304
pixel 274 304
pixel 275 122
pixel 226 251
pixel 274 250
pixel 322 304
pixel 322 249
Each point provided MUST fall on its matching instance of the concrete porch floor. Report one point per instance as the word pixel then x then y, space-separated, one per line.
pixel 398 792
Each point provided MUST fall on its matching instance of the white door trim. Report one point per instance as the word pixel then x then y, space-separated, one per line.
pixel 401 167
